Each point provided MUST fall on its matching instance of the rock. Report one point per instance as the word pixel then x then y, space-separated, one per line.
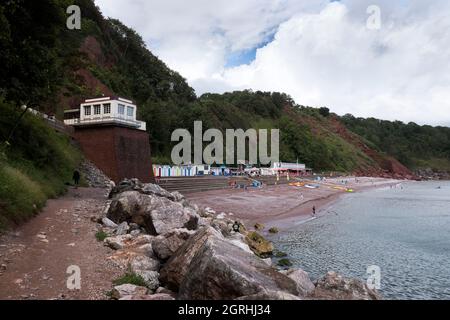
pixel 151 278
pixel 143 263
pixel 154 297
pixel 134 226
pixel 164 246
pixel 335 287
pixel 176 268
pixel 259 245
pixel 267 261
pixel 94 176
pixel 108 223
pixel 273 230
pixel 118 242
pixel 122 229
pixel 157 215
pixel 270 295
pixel 221 216
pixel 124 290
pixel 238 240
pixel 259 227
pixel 178 197
pixel 148 189
pixel 223 226
pixel 301 278
pixel 135 233
pixel 284 263
pixel 135 251
pixel 173 216
pixel 207 266
pixel 165 291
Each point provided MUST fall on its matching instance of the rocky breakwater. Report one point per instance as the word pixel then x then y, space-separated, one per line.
pixel 178 251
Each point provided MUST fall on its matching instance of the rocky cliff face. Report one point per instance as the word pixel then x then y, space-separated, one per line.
pixel 181 252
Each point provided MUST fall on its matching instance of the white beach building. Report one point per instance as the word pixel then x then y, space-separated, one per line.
pixel 105 110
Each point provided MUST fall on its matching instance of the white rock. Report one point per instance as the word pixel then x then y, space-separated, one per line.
pixel 109 223
pixel 124 290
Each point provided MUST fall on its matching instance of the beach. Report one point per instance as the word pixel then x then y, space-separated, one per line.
pixel 282 205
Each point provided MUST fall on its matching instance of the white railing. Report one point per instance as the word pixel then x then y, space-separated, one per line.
pixel 107 119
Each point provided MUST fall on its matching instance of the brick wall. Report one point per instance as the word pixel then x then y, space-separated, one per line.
pixel 118 151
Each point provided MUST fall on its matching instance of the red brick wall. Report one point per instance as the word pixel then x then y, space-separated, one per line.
pixel 118 151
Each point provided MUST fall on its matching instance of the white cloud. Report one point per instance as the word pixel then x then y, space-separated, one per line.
pixel 321 53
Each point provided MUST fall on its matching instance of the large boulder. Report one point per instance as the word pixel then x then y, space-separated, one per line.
pixel 148 188
pixel 158 215
pixel 151 278
pixel 210 267
pixel 176 268
pixel 335 287
pixel 259 245
pixel 270 295
pixel 164 246
pixel 301 278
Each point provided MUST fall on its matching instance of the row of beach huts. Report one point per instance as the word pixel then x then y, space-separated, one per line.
pixel 278 168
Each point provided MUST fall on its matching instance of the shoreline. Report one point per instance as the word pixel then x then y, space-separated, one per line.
pixel 282 206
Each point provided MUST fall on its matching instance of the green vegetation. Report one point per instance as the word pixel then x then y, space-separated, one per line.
pixel 51 68
pixel 35 166
pixel 130 278
pixel 415 146
pixel 101 235
pixel 279 254
pixel 274 230
pixel 284 263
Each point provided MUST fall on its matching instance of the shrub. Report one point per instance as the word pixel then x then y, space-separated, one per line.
pixel 130 278
pixel 101 235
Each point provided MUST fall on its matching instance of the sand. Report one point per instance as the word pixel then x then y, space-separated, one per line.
pixel 282 206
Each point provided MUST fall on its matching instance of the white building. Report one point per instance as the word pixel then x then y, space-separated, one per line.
pixel 288 166
pixel 105 110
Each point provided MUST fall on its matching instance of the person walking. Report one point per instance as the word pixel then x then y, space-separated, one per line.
pixel 314 211
pixel 76 178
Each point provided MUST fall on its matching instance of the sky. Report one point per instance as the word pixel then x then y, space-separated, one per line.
pixel 390 61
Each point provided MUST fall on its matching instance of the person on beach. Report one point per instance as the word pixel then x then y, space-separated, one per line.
pixel 302 196
pixel 314 211
pixel 76 178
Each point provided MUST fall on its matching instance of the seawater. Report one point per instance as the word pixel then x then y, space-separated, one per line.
pixel 406 232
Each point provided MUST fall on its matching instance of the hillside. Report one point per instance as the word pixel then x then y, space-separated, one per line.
pixel 35 165
pixel 54 68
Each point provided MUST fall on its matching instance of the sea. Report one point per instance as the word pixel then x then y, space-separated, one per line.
pixel 400 236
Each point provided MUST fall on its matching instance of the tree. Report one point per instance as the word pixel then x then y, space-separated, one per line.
pixel 324 112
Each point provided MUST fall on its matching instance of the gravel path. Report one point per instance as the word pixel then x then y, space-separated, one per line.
pixel 34 258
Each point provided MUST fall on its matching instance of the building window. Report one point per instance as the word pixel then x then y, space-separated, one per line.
pixel 97 110
pixel 107 108
pixel 121 109
pixel 87 110
pixel 130 111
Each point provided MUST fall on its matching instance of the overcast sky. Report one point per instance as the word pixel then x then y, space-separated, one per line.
pixel 320 52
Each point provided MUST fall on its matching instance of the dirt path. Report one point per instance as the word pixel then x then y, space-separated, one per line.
pixel 35 257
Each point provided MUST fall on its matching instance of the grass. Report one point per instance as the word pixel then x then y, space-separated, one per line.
pixel 101 235
pixel 35 166
pixel 130 278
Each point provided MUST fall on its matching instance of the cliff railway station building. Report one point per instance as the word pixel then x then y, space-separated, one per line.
pixel 112 138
